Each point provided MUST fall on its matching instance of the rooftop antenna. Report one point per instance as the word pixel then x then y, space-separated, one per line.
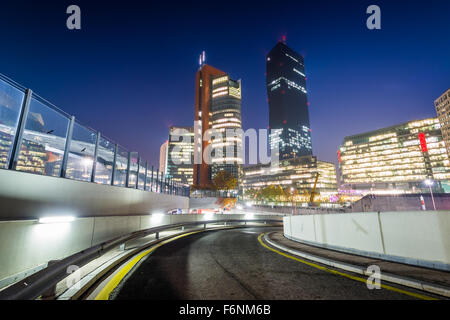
pixel 202 59
pixel 283 38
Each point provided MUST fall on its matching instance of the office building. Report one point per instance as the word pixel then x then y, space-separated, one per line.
pixel 442 105
pixel 226 116
pixel 180 155
pixel 397 159
pixel 299 173
pixel 288 102
pixel 217 106
pixel 163 158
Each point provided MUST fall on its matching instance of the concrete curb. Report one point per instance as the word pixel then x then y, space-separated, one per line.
pixel 408 282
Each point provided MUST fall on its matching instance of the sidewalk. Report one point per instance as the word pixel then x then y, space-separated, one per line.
pixel 424 276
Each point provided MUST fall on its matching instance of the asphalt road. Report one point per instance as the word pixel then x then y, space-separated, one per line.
pixel 232 264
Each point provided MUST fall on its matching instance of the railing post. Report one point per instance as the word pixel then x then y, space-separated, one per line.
pixel 151 181
pixel 145 176
pixel 20 129
pixel 94 165
pixel 137 173
pixel 113 174
pixel 128 170
pixel 63 170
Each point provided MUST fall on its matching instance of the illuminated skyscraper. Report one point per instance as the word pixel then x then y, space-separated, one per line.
pixel 288 103
pixel 163 158
pixel 217 106
pixel 180 156
pixel 226 116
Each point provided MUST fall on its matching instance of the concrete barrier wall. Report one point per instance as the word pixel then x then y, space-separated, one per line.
pixel 416 237
pixel 26 245
pixel 29 196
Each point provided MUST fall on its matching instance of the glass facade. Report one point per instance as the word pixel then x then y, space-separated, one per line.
pixel 226 117
pixel 180 155
pixel 288 103
pixel 442 105
pixel 299 173
pixel 47 141
pixel 396 159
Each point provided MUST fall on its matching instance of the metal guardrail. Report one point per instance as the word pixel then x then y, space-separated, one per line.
pixel 35 285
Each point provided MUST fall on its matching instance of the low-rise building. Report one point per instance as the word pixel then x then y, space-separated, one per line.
pixel 299 173
pixel 397 159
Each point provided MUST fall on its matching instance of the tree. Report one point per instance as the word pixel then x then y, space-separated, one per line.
pixel 272 193
pixel 224 181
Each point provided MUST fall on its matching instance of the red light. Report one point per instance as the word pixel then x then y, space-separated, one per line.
pixel 283 92
pixel 423 142
pixel 307 104
pixel 339 156
pixel 283 38
pixel 284 121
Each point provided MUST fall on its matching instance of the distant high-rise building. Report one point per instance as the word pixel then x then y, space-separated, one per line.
pixel 163 158
pixel 217 106
pixel 442 105
pixel 180 154
pixel 226 115
pixel 288 103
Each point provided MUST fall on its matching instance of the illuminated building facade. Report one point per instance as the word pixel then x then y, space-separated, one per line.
pixel 396 159
pixel 180 154
pixel 203 99
pixel 442 105
pixel 298 172
pixel 226 116
pixel 288 103
pixel 217 107
pixel 163 158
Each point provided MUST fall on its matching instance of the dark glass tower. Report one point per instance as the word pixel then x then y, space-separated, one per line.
pixel 288 103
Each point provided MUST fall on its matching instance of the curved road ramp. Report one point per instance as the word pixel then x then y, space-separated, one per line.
pixel 372 256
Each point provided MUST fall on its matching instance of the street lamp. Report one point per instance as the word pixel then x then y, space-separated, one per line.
pixel 429 183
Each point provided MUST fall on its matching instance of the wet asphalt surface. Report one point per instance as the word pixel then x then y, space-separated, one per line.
pixel 232 264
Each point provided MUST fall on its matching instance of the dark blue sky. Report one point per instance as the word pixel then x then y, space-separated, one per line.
pixel 129 72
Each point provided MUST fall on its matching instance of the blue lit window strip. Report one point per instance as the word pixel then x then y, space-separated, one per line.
pixel 170 186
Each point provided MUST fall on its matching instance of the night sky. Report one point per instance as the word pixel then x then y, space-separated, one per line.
pixel 130 71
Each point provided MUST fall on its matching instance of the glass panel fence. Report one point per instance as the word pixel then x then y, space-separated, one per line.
pixel 81 155
pixel 155 187
pixel 41 149
pixel 141 175
pixel 148 186
pixel 105 160
pixel 134 166
pixel 11 100
pixel 43 142
pixel 120 174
